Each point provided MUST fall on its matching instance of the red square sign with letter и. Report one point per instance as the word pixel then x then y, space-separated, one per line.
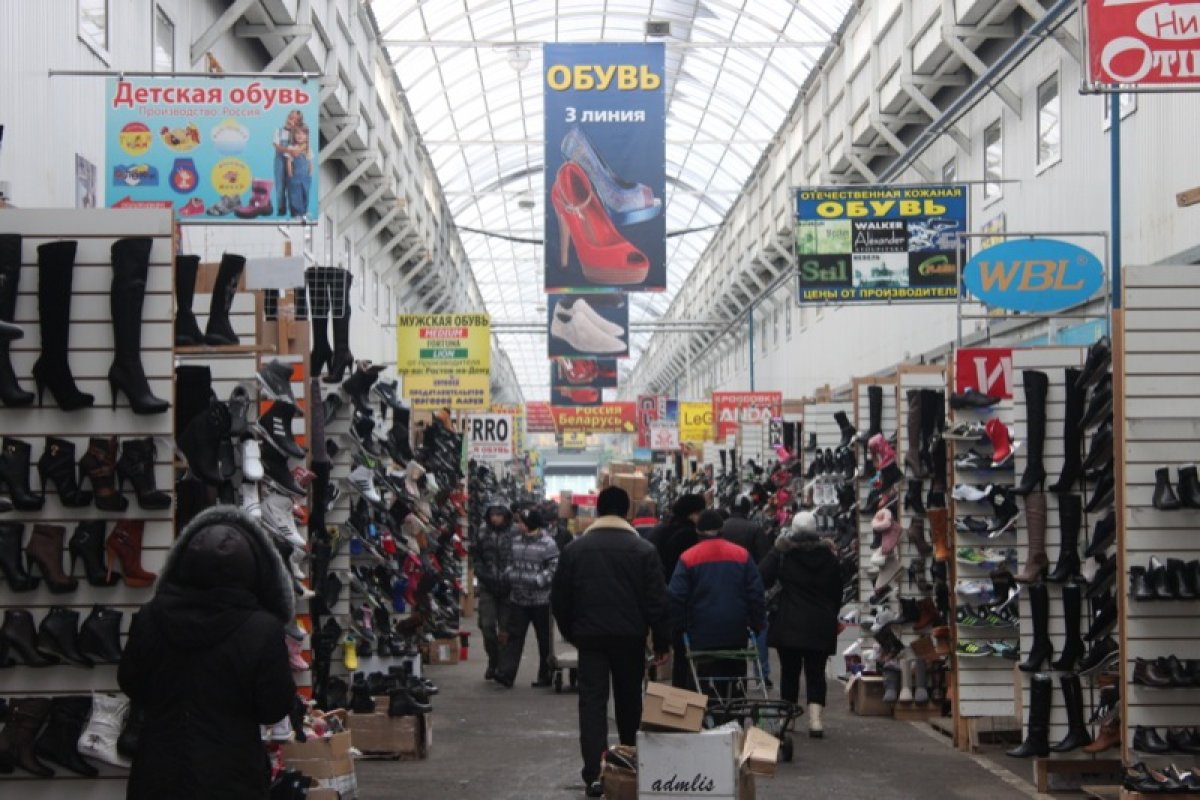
pixel 987 370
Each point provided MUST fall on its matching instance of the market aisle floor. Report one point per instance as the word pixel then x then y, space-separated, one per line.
pixel 491 743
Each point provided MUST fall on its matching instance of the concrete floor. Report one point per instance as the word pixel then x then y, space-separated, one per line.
pixel 490 743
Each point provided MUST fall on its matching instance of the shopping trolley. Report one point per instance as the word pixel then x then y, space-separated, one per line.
pixel 564 661
pixel 743 698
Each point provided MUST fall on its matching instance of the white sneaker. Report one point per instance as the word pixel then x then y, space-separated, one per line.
pixel 582 334
pixel 250 502
pixel 252 468
pixel 971 494
pixel 582 308
pixel 277 514
pixel 362 479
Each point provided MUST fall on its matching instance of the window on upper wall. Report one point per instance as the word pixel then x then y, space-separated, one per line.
pixel 993 161
pixel 950 171
pixel 93 26
pixel 164 42
pixel 1049 123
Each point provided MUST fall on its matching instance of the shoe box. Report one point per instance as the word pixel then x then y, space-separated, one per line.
pixel 439 652
pixel 666 708
pixel 865 693
pixel 379 734
pixel 760 752
pixel 689 766
pixel 327 761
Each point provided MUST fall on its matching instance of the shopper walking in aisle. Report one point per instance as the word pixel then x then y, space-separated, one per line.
pixel 206 662
pixel 803 618
pixel 534 559
pixel 716 596
pixel 491 554
pixel 645 520
pixel 740 529
pixel 608 594
pixel 671 538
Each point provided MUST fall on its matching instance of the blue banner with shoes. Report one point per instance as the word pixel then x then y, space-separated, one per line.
pixel 213 149
pixel 605 162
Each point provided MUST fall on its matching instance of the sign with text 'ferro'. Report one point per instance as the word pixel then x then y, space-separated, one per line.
pixel 606 418
pixel 445 360
pixel 605 162
pixel 730 408
pixel 695 422
pixel 490 437
pixel 213 149
pixel 879 244
pixel 1143 44
pixel 1034 275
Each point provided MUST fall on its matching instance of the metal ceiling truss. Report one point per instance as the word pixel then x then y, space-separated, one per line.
pixel 935 52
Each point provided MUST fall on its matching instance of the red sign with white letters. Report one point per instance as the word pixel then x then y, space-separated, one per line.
pixel 987 370
pixel 1143 43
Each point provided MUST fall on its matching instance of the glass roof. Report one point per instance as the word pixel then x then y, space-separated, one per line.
pixel 734 68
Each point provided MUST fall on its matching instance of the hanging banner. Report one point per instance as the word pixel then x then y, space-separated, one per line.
pixel 649 410
pixel 1038 275
pixel 606 418
pixel 605 161
pixel 490 437
pixel 987 370
pixel 695 422
pixel 1142 44
pixel 213 149
pixel 579 328
pixel 445 360
pixel 730 408
pixel 664 436
pixel 879 244
pixel 595 373
pixel 539 418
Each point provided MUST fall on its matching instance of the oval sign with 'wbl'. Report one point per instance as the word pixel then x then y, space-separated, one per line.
pixel 1033 275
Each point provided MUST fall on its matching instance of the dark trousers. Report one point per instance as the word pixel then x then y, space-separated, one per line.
pixel 791 664
pixel 623 662
pixel 493 615
pixel 681 673
pixel 723 677
pixel 519 620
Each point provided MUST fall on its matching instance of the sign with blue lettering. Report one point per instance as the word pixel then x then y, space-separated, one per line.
pixel 1036 275
pixel 879 244
pixel 606 167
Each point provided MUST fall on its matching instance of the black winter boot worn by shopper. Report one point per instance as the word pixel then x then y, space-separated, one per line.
pixel 56 270
pixel 11 394
pixel 131 268
pixel 219 330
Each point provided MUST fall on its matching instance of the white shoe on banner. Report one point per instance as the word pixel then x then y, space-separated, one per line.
pixel 582 308
pixel 582 334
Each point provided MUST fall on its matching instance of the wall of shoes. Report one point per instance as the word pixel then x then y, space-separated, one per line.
pixel 63 274
pixel 1064 598
pixel 822 433
pixel 874 412
pixel 982 542
pixel 1160 514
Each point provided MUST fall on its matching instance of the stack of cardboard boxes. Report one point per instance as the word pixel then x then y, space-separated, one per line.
pixel 409 737
pixel 328 762
pixel 677 758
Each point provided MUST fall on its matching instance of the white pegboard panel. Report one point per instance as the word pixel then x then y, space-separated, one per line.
pixel 862 421
pixel 1053 361
pixel 1161 380
pixel 91 340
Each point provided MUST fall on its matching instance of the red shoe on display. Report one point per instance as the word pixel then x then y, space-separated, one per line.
pixel 604 254
pixel 577 371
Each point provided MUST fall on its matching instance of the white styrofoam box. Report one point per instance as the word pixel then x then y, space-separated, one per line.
pixel 687 765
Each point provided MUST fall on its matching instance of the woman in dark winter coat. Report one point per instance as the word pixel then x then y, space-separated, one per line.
pixel 803 626
pixel 207 663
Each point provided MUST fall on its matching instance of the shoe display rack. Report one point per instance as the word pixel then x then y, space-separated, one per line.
pixel 821 426
pixel 985 696
pixel 1060 602
pixel 1157 379
pixel 46 620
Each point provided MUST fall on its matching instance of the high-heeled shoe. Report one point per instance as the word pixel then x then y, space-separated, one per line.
pixel 87 545
pixel 45 550
pixel 20 634
pixel 127 297
pixel 57 466
pixel 605 256
pixel 14 473
pixel 16 576
pixel 627 202
pixel 11 393
pixel 99 465
pixel 125 545
pixel 56 268
pixel 136 465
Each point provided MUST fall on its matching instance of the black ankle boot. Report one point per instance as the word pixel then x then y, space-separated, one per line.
pixel 1189 487
pixel 59 742
pixel 361 701
pixel 56 269
pixel 16 577
pixel 358 385
pixel 130 740
pixel 57 467
pixel 100 635
pixel 136 465
pixel 99 464
pixel 11 394
pixel 127 299
pixel 401 703
pixel 14 473
pixel 21 636
pixel 58 637
pixel 26 717
pixel 1164 496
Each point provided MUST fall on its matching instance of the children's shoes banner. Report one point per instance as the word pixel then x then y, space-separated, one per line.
pixel 605 121
pixel 213 149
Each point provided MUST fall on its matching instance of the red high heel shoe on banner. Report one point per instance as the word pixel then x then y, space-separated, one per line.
pixel 604 254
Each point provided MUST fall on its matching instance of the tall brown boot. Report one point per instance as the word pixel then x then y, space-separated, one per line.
pixel 125 545
pixel 912 442
pixel 916 535
pixel 1036 560
pixel 45 549
pixel 939 533
pixel 25 719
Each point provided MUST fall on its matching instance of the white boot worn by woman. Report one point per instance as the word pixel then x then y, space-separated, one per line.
pixel 815 729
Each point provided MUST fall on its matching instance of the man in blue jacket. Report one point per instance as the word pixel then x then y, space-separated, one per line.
pixel 716 598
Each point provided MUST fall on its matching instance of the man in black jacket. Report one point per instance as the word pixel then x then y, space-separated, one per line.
pixel 607 594
pixel 491 556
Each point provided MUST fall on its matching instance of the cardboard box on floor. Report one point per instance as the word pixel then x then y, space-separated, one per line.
pixel 666 708
pixel 692 765
pixel 760 752
pixel 866 696
pixel 439 651
pixel 379 734
pixel 327 761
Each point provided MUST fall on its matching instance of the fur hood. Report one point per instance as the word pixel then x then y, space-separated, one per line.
pixel 799 542
pixel 274 586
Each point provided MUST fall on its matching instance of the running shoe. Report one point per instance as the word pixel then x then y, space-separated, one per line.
pixel 966 432
pixel 971 494
pixel 972 399
pixel 974 649
pixel 967 617
pixel 1005 649
pixel 971 524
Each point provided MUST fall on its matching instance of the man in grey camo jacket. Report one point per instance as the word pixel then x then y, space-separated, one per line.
pixel 531 571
